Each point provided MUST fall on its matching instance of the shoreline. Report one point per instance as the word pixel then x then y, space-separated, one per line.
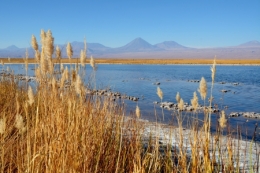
pixel 226 62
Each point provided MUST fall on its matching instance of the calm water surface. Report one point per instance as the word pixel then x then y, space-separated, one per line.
pixel 137 80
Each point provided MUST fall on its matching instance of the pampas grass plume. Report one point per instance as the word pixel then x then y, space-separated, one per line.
pixel 2 126
pixel 34 43
pixel 213 70
pixel 137 112
pixel 49 40
pixel 159 93
pixel 78 85
pixel 178 97
pixel 194 101
pixel 58 53
pixel 19 124
pixel 181 104
pixel 82 58
pixel 69 51
pixel 43 35
pixel 203 88
pixel 30 96
pixel 222 120
pixel 92 63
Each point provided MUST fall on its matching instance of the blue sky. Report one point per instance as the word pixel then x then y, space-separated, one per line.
pixel 194 23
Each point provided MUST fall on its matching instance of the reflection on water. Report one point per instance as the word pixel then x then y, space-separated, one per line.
pixel 138 80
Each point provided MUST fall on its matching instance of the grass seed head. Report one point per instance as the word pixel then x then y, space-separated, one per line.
pixel 181 105
pixel 58 53
pixel 82 58
pixel 2 126
pixel 222 120
pixel 19 124
pixel 178 97
pixel 34 43
pixel 203 88
pixel 78 85
pixel 43 35
pixel 194 101
pixel 30 96
pixel 137 112
pixel 213 70
pixel 159 93
pixel 49 41
pixel 92 63
pixel 69 51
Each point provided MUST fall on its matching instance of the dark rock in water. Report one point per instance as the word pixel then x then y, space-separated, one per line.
pixel 234 114
pixel 225 91
pixel 157 83
pixel 222 82
pixel 236 83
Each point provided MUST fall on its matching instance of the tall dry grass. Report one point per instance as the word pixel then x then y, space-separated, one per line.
pixel 57 127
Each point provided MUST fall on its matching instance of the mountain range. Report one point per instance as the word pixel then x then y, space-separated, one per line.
pixel 139 48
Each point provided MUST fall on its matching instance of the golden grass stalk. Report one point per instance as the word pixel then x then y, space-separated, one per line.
pixel 82 58
pixel 49 40
pixel 2 125
pixel 34 43
pixel 222 120
pixel 137 111
pixel 78 85
pixel 213 70
pixel 181 104
pixel 58 53
pixel 92 63
pixel 19 124
pixel 194 101
pixel 37 56
pixel 30 96
pixel 159 93
pixel 203 88
pixel 43 35
pixel 26 60
pixel 69 50
pixel 178 97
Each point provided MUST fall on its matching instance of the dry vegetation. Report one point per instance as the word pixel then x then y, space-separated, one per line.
pixel 56 127
pixel 149 61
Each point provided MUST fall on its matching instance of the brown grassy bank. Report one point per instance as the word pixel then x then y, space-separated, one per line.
pixel 148 61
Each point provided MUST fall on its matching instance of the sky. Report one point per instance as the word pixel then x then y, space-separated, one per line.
pixel 114 23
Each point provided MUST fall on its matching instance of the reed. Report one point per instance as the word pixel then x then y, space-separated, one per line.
pixel 55 126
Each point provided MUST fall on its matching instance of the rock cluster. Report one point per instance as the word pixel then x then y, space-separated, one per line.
pixel 186 107
pixel 245 114
pixel 113 95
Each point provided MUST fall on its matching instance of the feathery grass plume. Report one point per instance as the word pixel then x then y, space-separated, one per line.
pixel 92 63
pixel 203 88
pixel 37 56
pixel 194 101
pixel 222 120
pixel 69 50
pixel 159 93
pixel 26 60
pixel 30 96
pixel 66 73
pixel 38 73
pixel 2 126
pixel 58 53
pixel 9 59
pixel 2 62
pixel 34 43
pixel 53 84
pixel 181 105
pixel 82 58
pixel 19 124
pixel 43 35
pixel 49 40
pixel 178 97
pixel 78 84
pixel 44 62
pixel 50 66
pixel 213 70
pixel 137 112
pixel 73 75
